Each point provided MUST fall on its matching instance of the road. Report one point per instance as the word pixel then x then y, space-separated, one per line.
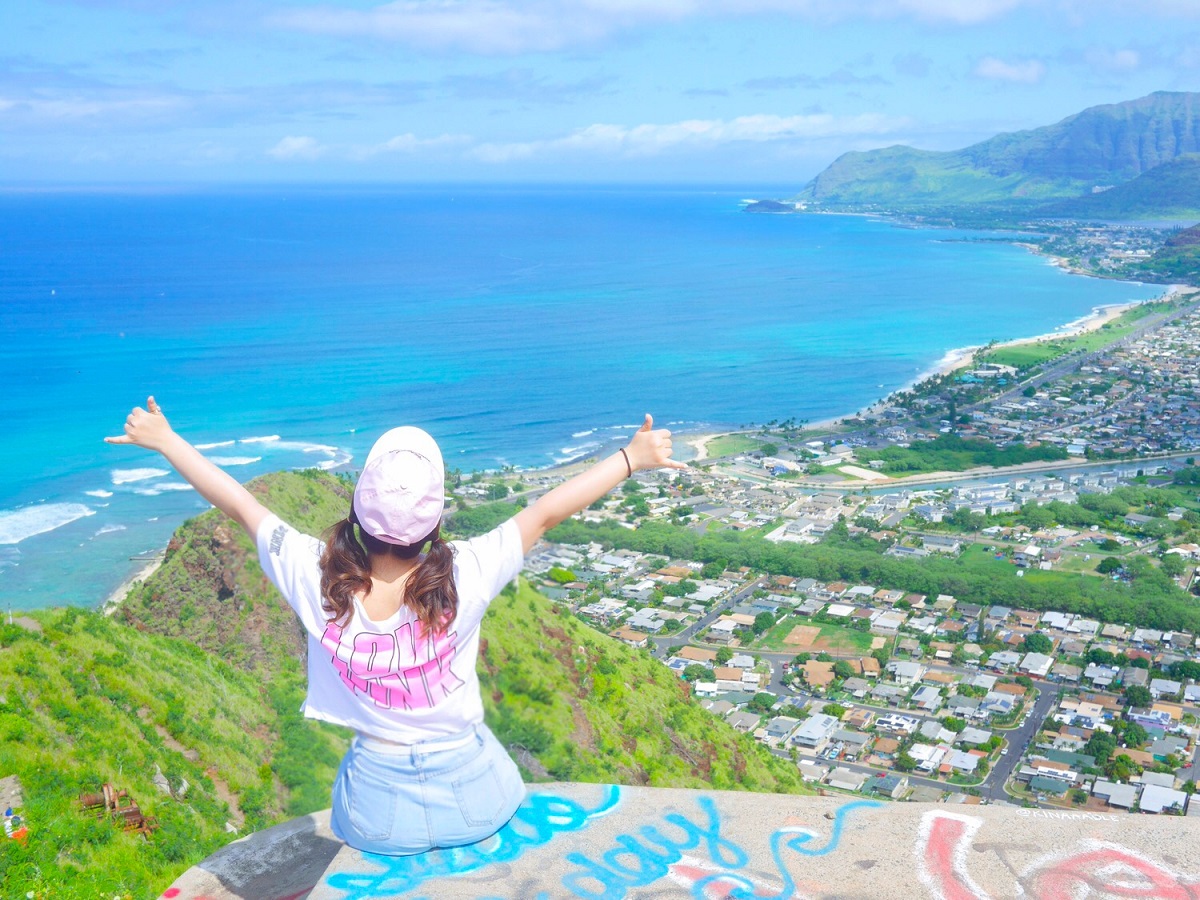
pixel 992 788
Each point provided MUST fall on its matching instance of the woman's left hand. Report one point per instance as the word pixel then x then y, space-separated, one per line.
pixel 147 428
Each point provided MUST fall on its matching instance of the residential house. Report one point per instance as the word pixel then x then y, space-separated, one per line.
pixel 815 731
pixel 906 672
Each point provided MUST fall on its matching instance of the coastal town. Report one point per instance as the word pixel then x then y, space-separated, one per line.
pixel 871 686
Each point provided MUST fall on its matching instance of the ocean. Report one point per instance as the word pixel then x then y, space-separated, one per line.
pixel 522 326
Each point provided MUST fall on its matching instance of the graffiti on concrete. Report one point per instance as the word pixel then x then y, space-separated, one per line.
pixel 174 893
pixel 652 855
pixel 536 822
pixel 1091 869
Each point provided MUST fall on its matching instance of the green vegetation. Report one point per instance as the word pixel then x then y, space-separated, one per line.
pixel 732 444
pixel 1145 594
pixel 835 638
pixel 1027 356
pixel 200 673
pixel 1178 259
pixel 951 453
pixel 575 705
pixel 89 701
pixel 1167 191
pixel 1098 146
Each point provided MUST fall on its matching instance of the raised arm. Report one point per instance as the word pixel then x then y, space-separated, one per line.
pixel 149 428
pixel 649 449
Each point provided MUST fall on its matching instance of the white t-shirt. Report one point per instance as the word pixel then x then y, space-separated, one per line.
pixel 386 679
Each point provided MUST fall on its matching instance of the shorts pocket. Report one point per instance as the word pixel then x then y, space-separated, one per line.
pixel 370 808
pixel 480 797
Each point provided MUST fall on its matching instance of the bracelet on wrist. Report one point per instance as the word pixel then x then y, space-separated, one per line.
pixel 628 464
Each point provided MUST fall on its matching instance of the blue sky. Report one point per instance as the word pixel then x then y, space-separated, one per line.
pixel 697 91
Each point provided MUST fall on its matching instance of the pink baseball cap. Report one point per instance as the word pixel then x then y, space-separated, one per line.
pixel 401 492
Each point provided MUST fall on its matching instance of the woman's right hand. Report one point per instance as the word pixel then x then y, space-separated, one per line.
pixel 145 428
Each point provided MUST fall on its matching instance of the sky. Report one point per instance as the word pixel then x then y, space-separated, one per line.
pixel 625 91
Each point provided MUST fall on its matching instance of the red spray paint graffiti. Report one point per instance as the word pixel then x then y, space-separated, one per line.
pixel 943 866
pixel 1112 871
pixel 1096 871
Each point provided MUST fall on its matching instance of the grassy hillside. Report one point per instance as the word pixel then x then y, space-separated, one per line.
pixel 1178 259
pixel 1169 191
pixel 1101 146
pixel 89 700
pixel 588 708
pixel 200 674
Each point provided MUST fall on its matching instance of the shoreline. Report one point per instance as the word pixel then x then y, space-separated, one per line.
pixel 117 597
pixel 961 357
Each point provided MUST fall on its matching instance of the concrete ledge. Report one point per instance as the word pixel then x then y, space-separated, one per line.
pixel 603 842
pixel 280 863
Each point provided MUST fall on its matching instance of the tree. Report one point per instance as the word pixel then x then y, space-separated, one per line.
pixel 697 672
pixel 724 655
pixel 1122 768
pixel 761 702
pixel 1173 565
pixel 1134 735
pixel 1138 696
pixel 834 709
pixel 953 723
pixel 561 575
pixel 762 622
pixel 843 669
pixel 1037 643
pixel 824 657
pixel 1100 745
pixel 904 763
pixel 1108 565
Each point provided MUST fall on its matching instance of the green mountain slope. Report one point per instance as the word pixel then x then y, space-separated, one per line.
pixel 1169 191
pixel 200 673
pixel 1178 259
pixel 88 700
pixel 1101 146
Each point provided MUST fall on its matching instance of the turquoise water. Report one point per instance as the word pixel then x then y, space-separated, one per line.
pixel 289 327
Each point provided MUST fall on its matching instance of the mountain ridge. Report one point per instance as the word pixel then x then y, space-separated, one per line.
pixel 1100 146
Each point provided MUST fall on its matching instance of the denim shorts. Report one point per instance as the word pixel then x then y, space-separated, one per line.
pixel 398 800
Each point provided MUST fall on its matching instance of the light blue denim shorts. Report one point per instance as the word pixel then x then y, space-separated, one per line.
pixel 398 800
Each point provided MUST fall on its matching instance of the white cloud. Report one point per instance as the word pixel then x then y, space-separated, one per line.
pixel 1113 60
pixel 649 139
pixel 408 143
pixel 79 106
pixel 297 147
pixel 1028 71
pixel 519 26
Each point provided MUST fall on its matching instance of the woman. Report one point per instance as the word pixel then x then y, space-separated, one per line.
pixel 392 613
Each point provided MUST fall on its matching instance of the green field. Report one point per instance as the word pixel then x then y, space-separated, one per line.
pixel 834 638
pixel 731 444
pixel 1025 356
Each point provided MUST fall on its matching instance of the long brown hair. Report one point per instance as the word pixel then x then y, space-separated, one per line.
pixel 346 570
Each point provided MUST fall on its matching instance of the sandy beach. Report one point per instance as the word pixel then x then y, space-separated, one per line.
pixel 958 359
pixel 109 606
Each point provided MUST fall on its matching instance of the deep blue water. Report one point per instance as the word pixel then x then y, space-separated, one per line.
pixel 520 326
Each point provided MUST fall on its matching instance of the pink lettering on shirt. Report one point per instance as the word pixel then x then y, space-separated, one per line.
pixel 392 668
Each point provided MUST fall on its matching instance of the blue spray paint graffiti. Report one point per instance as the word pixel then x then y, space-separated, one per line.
pixel 637 863
pixel 536 822
pixel 646 864
pixel 793 839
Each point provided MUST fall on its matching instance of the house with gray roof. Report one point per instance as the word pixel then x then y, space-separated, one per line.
pixel 814 733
